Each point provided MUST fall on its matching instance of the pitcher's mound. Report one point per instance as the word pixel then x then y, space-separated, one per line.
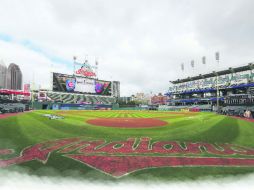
pixel 127 122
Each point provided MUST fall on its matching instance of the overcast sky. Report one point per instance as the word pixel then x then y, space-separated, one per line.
pixel 140 43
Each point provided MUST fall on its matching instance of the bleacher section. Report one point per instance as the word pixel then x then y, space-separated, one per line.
pixel 187 108
pixel 69 98
pixel 236 110
pixel 8 105
pixel 237 104
pixel 227 91
pixel 12 108
pixel 54 96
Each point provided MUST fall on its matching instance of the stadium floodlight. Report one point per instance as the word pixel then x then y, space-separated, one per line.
pixel 204 60
pixel 192 63
pixel 182 66
pixel 217 56
pixel 74 60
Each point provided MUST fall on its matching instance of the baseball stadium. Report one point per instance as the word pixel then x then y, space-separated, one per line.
pixel 79 129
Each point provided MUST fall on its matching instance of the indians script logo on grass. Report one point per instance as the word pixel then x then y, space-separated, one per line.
pixel 119 158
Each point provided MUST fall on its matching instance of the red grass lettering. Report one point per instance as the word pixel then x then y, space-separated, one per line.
pixel 165 147
pixel 124 147
pixel 79 150
pixel 38 152
pixel 91 146
pixel 143 146
pixel 241 150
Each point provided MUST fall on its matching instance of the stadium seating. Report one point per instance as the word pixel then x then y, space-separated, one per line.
pixel 206 107
pixel 80 99
pixel 12 107
pixel 70 98
pixel 236 110
pixel 54 96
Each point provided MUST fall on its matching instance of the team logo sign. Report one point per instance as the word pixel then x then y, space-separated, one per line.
pixel 70 84
pixel 120 158
pixel 86 71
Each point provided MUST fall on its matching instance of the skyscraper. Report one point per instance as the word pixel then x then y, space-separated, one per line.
pixel 116 89
pixel 3 73
pixel 14 77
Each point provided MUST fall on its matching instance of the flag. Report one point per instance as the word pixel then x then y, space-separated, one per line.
pixel 204 60
pixel 182 67
pixel 192 63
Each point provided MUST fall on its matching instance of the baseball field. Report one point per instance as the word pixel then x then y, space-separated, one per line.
pixel 119 145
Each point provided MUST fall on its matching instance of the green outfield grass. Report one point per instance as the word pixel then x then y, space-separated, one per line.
pixel 18 132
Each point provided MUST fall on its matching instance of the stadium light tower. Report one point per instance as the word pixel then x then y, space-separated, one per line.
pixel 96 67
pixel 217 57
pixel 74 60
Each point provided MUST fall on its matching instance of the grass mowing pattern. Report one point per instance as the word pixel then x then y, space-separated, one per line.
pixel 20 131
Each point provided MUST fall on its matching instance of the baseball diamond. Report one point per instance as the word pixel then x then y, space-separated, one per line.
pixel 127 144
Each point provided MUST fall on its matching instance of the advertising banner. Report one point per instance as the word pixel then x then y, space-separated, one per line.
pixel 241 77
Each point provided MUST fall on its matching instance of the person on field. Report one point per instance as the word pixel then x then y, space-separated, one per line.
pixel 247 114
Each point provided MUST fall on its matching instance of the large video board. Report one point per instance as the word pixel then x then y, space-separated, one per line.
pixel 76 84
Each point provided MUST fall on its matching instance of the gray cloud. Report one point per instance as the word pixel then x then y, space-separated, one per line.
pixel 140 43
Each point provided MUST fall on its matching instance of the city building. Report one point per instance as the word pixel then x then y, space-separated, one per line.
pixel 125 99
pixel 14 77
pixel 3 73
pixel 141 98
pixel 159 99
pixel 116 89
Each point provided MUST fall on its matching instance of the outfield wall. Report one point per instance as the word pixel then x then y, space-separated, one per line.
pixel 82 107
pixel 61 106
pixel 129 108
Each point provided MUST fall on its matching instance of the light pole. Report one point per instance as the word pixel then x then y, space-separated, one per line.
pixel 74 61
pixel 217 57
